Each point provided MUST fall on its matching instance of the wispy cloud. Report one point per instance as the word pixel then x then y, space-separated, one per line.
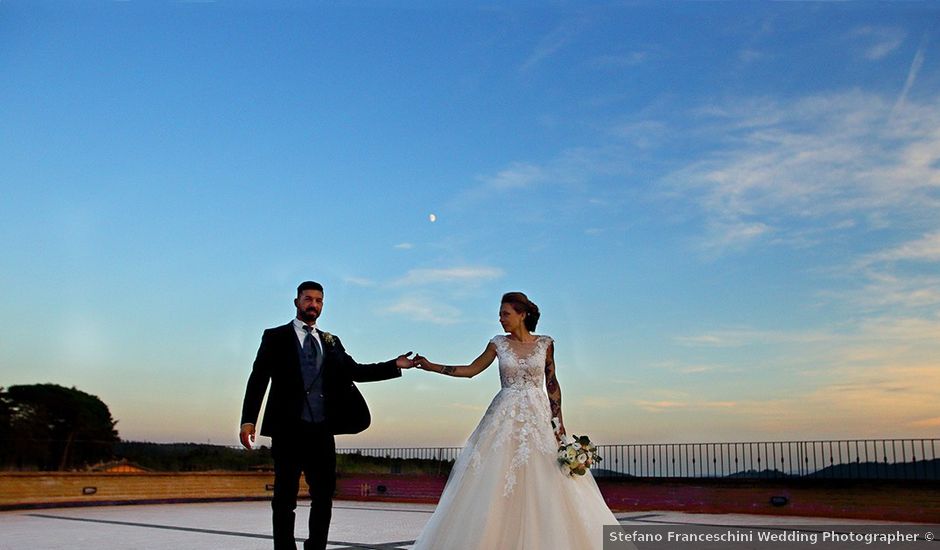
pixel 657 406
pixel 880 41
pixel 933 422
pixel 750 55
pixel 733 338
pixel 404 246
pixel 722 236
pixel 516 176
pixel 560 37
pixel 570 168
pixel 884 289
pixel 789 167
pixel 462 275
pixel 892 396
pixel 643 134
pixel 905 396
pixel 420 308
pixel 901 328
pixel 692 405
pixel 619 61
pixel 893 279
pixel 838 344
pixel 573 170
pixel 912 74
pixel 924 249
pixel 360 281
pixel 598 402
pixel 423 294
pixel 693 368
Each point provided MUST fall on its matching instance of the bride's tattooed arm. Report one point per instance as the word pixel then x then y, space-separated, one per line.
pixel 461 371
pixel 553 389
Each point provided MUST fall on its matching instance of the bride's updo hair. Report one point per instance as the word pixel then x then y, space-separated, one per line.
pixel 522 304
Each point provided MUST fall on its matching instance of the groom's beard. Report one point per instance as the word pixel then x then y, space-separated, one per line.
pixel 308 315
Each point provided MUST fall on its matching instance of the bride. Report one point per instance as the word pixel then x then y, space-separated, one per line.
pixel 506 489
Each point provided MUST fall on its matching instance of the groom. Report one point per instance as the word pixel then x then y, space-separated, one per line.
pixel 312 398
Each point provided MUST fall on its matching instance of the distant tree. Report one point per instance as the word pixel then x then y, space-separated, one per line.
pixel 6 436
pixel 192 457
pixel 51 427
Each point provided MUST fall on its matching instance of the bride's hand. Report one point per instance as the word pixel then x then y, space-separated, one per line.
pixel 422 362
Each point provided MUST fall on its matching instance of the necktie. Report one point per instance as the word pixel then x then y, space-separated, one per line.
pixel 309 346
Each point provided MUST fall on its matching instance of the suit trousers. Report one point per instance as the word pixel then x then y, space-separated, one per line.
pixel 311 451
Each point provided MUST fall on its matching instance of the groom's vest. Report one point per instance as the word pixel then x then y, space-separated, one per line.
pixel 312 372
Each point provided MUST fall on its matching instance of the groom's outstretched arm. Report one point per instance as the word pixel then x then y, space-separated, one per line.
pixel 373 372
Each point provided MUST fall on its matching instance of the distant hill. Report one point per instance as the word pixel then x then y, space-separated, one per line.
pixel 762 474
pixel 927 470
pixel 603 472
pixel 923 470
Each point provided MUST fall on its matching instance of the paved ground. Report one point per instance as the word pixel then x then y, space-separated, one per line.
pixel 245 525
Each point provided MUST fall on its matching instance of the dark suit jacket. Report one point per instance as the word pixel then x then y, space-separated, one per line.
pixel 278 362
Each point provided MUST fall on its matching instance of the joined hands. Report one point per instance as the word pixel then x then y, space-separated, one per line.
pixel 405 361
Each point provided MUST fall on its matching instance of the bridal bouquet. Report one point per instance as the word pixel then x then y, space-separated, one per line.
pixel 577 454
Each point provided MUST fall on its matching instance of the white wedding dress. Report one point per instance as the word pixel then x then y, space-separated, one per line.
pixel 506 490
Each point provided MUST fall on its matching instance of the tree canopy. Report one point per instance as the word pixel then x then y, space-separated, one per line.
pixel 51 427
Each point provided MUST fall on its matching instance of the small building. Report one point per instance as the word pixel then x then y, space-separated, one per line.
pixel 122 466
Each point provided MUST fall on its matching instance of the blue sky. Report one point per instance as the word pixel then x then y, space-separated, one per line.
pixel 726 211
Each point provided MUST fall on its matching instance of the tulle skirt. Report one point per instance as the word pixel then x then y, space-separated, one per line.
pixel 507 491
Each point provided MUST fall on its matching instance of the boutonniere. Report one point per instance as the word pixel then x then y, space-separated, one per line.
pixel 328 338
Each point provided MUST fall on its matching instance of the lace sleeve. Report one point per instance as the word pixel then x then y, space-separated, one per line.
pixel 545 341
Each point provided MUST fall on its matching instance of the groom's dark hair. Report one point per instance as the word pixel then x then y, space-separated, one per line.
pixel 309 285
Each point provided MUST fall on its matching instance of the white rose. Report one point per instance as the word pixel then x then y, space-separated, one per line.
pixel 582 458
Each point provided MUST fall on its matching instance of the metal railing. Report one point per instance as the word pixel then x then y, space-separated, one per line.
pixel 915 459
pixel 890 459
pixel 442 454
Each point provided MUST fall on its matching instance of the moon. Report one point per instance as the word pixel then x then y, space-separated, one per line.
pixel 432 218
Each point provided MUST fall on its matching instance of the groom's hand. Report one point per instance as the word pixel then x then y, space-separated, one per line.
pixel 247 435
pixel 404 361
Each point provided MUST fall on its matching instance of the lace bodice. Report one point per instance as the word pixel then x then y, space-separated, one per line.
pixel 521 364
pixel 519 418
